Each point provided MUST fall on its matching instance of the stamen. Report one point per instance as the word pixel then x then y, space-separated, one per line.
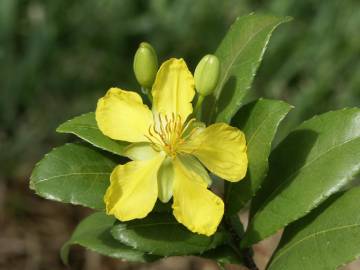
pixel 150 139
pixel 153 135
pixel 187 125
pixel 166 133
pixel 178 130
pixel 168 127
pixel 191 133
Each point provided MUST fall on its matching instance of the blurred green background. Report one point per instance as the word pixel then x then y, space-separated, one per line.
pixel 58 57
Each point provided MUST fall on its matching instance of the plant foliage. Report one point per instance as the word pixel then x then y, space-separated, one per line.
pixel 285 185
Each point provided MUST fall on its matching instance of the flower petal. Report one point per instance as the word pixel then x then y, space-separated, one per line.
pixel 140 151
pixel 193 164
pixel 121 115
pixel 221 148
pixel 173 89
pixel 194 205
pixel 133 189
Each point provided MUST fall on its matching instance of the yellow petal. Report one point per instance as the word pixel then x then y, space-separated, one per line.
pixel 133 189
pixel 140 151
pixel 173 89
pixel 221 148
pixel 193 164
pixel 194 205
pixel 121 115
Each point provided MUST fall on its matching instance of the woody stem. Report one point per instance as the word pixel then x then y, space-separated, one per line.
pixel 244 255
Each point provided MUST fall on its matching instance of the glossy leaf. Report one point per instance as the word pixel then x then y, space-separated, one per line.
pixel 325 239
pixel 73 173
pixel 94 234
pixel 259 121
pixel 240 54
pixel 317 159
pixel 85 127
pixel 161 234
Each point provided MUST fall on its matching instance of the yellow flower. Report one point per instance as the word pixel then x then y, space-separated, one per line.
pixel 168 152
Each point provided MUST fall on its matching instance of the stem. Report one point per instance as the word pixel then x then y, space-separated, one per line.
pixel 246 254
pixel 146 92
pixel 198 104
pixel 248 259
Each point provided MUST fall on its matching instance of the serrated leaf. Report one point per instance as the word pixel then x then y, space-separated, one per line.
pixel 317 159
pixel 259 121
pixel 73 173
pixel 86 128
pixel 160 234
pixel 94 234
pixel 240 54
pixel 325 239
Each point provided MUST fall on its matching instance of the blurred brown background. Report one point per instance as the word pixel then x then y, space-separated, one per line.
pixel 58 57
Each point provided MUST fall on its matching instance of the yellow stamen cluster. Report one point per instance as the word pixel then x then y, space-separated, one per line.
pixel 166 134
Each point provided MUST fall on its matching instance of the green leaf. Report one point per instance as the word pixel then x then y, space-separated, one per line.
pixel 85 127
pixel 73 173
pixel 240 54
pixel 317 159
pixel 259 121
pixel 327 238
pixel 94 233
pixel 161 234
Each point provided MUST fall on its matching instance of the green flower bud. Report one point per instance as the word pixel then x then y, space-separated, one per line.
pixel 145 65
pixel 207 74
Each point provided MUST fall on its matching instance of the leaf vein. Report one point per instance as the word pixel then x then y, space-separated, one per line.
pixel 349 226
pixel 302 167
pixel 71 174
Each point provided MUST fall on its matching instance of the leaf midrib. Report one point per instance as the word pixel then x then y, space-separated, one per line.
pixel 257 130
pixel 69 126
pixel 69 174
pixel 349 226
pixel 302 167
pixel 227 70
